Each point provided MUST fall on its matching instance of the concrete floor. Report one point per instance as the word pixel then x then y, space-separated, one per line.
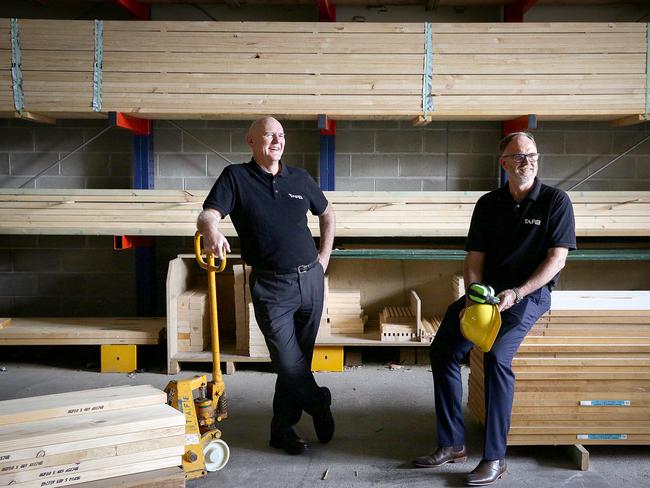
pixel 384 418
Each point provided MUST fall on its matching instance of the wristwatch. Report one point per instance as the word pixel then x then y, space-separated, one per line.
pixel 518 297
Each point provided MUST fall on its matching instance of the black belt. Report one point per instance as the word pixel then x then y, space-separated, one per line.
pixel 303 268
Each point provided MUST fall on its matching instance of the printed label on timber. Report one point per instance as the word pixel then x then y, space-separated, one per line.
pixel 92 408
pixel 16 467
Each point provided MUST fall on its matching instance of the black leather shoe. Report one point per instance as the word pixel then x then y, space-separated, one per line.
pixel 486 473
pixel 290 442
pixel 324 422
pixel 443 455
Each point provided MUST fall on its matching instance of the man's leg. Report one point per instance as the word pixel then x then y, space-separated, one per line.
pixel 276 300
pixel 307 321
pixel 499 379
pixel 499 384
pixel 448 349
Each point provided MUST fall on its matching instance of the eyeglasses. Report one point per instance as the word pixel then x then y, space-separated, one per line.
pixel 521 157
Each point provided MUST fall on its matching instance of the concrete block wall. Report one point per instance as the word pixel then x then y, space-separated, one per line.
pixel 65 276
pixel 395 156
pixel 75 275
pixel 27 148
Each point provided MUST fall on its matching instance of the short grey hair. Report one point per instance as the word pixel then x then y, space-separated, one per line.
pixel 507 139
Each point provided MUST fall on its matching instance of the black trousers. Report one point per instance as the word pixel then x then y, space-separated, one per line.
pixel 288 309
pixel 449 347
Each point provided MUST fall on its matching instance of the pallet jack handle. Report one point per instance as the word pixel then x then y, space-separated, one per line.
pixel 212 270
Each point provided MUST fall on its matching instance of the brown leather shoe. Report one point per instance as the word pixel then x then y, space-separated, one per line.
pixel 443 455
pixel 486 473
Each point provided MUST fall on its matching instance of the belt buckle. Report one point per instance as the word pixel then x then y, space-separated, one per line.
pixel 303 268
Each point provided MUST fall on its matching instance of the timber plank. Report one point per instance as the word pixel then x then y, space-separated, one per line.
pixel 78 403
pixel 97 474
pixel 72 457
pixel 90 465
pixel 56 448
pixel 89 330
pixel 88 426
pixel 160 478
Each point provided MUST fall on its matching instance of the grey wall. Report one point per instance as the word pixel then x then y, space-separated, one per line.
pixel 75 275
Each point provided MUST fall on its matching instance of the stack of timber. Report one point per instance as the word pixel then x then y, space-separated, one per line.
pixel 69 331
pixel 249 340
pixel 344 312
pixel 429 327
pixel 457 286
pixel 348 70
pixel 402 324
pixel 193 321
pixel 583 374
pixel 359 214
pixel 71 438
pixel 324 329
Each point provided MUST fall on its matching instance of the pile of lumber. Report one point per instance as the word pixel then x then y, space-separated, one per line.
pixel 324 329
pixel 72 438
pixel 583 374
pixel 166 70
pixel 402 324
pixel 358 214
pixel 344 312
pixel 69 331
pixel 193 321
pixel 249 340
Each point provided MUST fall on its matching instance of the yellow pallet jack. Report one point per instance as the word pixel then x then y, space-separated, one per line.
pixel 204 449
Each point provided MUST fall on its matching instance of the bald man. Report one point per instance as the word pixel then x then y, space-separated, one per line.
pixel 267 202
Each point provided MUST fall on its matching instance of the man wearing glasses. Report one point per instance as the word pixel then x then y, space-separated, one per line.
pixel 518 241
pixel 268 203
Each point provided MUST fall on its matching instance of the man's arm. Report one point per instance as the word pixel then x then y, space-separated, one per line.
pixel 473 270
pixel 552 265
pixel 213 240
pixel 327 225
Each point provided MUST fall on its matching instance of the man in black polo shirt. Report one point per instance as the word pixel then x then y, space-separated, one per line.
pixel 518 241
pixel 268 202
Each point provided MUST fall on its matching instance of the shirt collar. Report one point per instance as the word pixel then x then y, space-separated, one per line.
pixel 256 167
pixel 533 194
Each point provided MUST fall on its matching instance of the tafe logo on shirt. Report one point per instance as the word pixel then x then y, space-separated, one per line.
pixel 533 221
pixel 299 197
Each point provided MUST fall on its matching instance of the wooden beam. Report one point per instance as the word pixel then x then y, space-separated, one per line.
pixel 33 117
pixel 629 120
pixel 421 121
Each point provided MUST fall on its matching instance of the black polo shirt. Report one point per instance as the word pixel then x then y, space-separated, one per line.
pixel 516 237
pixel 269 213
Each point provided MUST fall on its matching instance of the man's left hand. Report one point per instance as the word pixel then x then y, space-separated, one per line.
pixel 324 261
pixel 507 299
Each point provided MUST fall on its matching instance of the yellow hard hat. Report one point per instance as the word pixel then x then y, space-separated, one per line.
pixel 480 324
